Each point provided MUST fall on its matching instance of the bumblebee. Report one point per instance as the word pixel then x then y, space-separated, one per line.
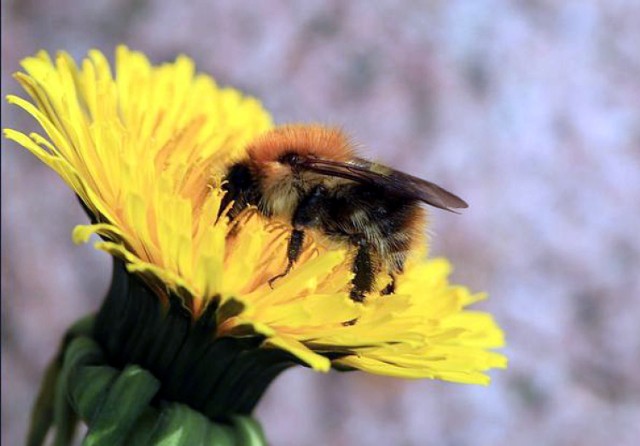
pixel 310 177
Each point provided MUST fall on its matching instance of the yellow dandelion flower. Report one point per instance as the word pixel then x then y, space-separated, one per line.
pixel 145 149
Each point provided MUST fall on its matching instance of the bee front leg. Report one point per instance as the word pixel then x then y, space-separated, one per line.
pixel 294 249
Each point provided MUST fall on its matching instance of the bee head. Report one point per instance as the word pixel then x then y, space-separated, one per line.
pixel 276 157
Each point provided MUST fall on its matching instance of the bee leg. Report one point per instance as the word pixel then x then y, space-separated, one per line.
pixel 363 270
pixel 294 249
pixel 308 214
pixel 391 286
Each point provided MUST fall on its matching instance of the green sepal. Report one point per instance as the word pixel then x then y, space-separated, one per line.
pixel 218 376
pixel 179 425
pixel 52 406
pixel 90 388
pixel 127 399
pixel 121 407
pixel 248 431
pixel 144 429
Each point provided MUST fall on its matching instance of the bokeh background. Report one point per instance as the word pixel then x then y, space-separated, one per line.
pixel 529 109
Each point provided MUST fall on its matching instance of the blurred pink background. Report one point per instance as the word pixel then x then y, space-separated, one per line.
pixel 530 110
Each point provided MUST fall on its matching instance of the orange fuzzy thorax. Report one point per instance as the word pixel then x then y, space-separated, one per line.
pixel 323 142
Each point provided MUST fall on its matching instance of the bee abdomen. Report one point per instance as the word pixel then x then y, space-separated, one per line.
pixel 400 232
pixel 394 250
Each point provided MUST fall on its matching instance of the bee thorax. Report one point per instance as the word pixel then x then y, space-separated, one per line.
pixel 280 198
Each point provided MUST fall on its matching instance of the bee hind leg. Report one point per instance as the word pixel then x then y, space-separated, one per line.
pixel 391 286
pixel 294 249
pixel 363 269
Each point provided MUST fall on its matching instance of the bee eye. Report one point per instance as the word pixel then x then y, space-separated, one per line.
pixel 289 158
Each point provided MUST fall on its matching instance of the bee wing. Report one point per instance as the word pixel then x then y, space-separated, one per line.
pixel 393 181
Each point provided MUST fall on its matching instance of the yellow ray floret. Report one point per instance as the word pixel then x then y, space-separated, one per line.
pixel 144 148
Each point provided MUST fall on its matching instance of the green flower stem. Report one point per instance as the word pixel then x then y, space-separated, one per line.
pixel 121 406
